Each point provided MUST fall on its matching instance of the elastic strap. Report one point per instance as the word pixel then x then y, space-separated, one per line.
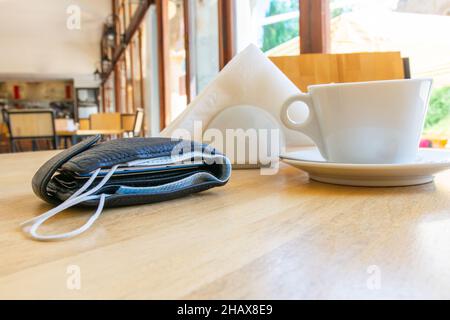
pixel 30 227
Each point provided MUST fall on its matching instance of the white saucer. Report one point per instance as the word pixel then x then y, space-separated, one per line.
pixel 428 163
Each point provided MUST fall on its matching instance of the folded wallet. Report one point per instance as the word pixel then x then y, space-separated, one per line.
pixel 126 172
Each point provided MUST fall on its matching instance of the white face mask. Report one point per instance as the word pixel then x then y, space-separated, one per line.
pixel 189 159
pixel 30 227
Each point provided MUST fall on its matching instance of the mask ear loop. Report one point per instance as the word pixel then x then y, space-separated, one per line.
pixel 77 198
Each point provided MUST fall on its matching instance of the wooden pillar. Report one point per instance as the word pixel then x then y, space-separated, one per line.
pixel 141 70
pixel 163 60
pixel 190 87
pixel 103 95
pixel 131 108
pixel 314 26
pixel 117 88
pixel 102 107
pixel 226 31
pixel 116 67
pixel 125 74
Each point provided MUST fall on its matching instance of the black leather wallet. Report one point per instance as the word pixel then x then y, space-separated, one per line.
pixel 124 172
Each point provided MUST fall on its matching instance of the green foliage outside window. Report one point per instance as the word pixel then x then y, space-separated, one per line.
pixel 438 117
pixel 337 8
pixel 281 32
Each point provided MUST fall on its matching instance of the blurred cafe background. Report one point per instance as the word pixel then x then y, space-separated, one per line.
pixel 123 68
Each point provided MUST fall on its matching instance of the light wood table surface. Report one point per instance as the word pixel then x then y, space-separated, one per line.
pixel 258 237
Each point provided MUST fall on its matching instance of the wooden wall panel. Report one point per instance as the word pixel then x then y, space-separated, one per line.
pixel 370 66
pixel 309 69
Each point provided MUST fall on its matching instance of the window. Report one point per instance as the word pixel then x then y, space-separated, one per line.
pixel 136 51
pixel 176 63
pixel 418 29
pixel 191 54
pixel 204 51
pixel 273 25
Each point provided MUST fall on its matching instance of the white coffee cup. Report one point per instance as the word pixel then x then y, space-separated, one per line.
pixel 365 122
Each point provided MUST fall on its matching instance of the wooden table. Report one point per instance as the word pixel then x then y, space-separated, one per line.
pixel 258 237
pixel 90 132
pixel 74 135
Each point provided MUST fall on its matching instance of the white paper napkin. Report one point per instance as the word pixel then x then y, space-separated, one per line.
pixel 249 79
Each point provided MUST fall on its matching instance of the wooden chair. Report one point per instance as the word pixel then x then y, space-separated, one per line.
pixel 84 124
pixel 309 69
pixel 65 124
pixel 3 124
pixel 138 123
pixel 4 116
pixel 133 123
pixel 105 121
pixel 128 120
pixel 31 125
pixel 4 138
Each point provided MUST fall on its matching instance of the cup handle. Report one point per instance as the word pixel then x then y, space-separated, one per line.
pixel 310 126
